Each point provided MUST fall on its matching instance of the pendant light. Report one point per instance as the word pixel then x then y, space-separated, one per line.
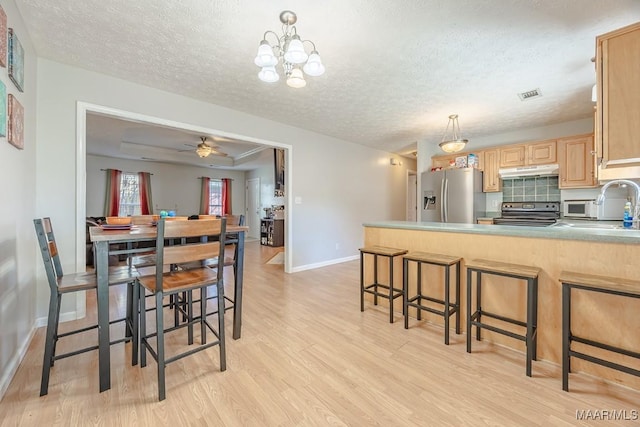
pixel 453 142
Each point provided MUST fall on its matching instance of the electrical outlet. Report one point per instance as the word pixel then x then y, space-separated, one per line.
pixel 337 246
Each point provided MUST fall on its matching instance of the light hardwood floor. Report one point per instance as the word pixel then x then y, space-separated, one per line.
pixel 308 356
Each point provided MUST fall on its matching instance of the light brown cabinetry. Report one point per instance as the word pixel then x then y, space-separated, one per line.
pixel 491 181
pixel 618 106
pixel 537 153
pixel 576 158
pixel 512 156
pixel 541 153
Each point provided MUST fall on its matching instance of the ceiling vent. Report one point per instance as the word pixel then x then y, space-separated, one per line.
pixel 535 93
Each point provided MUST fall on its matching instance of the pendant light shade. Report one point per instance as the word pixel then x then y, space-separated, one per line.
pixel 269 74
pixel 296 79
pixel 452 141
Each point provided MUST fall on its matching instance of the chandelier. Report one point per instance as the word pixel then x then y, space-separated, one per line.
pixel 454 142
pixel 289 49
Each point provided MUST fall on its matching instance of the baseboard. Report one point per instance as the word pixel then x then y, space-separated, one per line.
pixel 324 263
pixel 15 361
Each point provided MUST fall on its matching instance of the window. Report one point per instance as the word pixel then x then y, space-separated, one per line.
pixel 129 194
pixel 215 197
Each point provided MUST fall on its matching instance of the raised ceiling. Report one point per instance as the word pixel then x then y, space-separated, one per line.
pixel 395 69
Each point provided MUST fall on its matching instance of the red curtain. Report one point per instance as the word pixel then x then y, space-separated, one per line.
pixel 112 198
pixel 226 196
pixel 205 195
pixel 146 204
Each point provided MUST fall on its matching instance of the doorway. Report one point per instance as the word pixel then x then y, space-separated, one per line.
pixel 412 196
pixel 84 108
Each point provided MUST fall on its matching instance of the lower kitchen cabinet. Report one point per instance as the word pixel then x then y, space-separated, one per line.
pixel 272 232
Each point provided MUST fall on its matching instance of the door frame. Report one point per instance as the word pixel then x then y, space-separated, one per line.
pixel 411 173
pixel 82 108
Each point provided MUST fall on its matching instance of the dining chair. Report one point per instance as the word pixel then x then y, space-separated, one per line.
pixel 61 284
pixel 230 258
pixel 176 280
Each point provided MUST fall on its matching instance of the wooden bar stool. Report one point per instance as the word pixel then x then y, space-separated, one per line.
pixel 393 293
pixel 474 318
pixel 601 284
pixel 449 308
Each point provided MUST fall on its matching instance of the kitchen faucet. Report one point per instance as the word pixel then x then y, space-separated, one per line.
pixel 636 210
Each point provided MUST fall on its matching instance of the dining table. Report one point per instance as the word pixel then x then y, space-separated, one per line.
pixel 121 240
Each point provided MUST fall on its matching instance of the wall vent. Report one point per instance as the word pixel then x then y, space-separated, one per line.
pixel 535 93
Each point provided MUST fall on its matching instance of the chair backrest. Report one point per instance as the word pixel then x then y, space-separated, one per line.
pixel 235 219
pixel 142 219
pixel 49 251
pixel 193 241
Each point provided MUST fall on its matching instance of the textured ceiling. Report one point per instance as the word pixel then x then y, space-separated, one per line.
pixel 395 69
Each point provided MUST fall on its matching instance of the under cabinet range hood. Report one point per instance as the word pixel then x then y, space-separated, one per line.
pixel 537 170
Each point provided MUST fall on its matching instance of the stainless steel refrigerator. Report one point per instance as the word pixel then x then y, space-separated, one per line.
pixel 452 195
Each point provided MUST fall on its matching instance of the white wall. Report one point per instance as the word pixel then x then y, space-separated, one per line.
pixel 172 186
pixel 19 257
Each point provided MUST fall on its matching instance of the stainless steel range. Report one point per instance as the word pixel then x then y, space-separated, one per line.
pixel 532 214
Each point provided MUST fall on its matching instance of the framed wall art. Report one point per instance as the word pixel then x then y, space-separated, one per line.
pixel 16 123
pixel 16 61
pixel 3 109
pixel 3 39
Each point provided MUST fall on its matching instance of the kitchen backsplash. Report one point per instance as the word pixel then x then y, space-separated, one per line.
pixel 535 188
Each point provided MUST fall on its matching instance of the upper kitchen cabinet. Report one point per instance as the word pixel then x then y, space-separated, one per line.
pixel 512 156
pixel 618 106
pixel 537 153
pixel 491 181
pixel 541 153
pixel 576 158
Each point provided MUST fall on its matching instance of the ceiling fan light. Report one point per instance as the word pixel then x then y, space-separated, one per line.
pixel 295 51
pixel 594 93
pixel 296 79
pixel 203 150
pixel 265 56
pixel 314 66
pixel 269 74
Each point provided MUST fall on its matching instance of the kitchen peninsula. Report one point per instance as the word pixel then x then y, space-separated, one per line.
pixel 606 252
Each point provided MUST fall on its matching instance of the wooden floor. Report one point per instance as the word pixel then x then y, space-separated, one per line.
pixel 309 357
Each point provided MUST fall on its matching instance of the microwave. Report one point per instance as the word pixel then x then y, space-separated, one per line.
pixel 612 209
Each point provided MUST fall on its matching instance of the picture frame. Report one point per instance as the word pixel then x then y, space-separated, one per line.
pixel 15 135
pixel 16 61
pixel 3 109
pixel 3 39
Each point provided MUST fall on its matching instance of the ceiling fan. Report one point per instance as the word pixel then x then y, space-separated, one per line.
pixel 204 150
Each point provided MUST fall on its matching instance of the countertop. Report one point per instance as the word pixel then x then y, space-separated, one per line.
pixel 611 235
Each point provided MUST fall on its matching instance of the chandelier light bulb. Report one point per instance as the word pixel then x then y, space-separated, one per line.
pixel 296 79
pixel 265 57
pixel 314 66
pixel 295 52
pixel 269 74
